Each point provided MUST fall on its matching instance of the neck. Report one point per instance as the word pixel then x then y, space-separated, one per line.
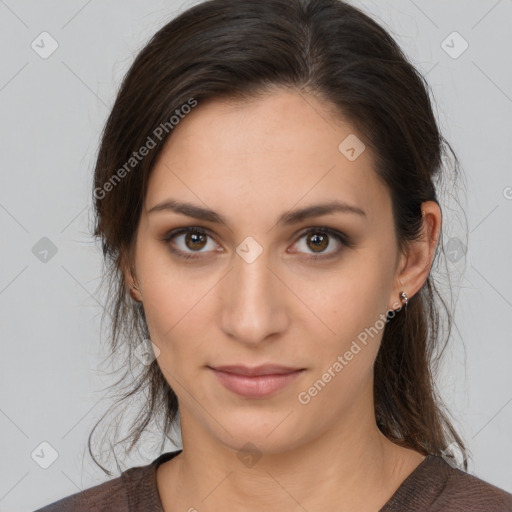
pixel 356 467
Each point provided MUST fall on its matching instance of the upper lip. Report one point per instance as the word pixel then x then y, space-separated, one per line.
pixel 264 369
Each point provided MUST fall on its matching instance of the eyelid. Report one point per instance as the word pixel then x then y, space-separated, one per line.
pixel 340 237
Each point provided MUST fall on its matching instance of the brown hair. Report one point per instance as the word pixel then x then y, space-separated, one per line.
pixel 241 49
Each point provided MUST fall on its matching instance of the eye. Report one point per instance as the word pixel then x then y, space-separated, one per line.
pixel 184 242
pixel 318 239
pixel 194 239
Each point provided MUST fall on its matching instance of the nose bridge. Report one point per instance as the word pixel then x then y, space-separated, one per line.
pixel 253 309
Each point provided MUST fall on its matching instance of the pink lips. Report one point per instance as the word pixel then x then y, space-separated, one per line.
pixel 257 382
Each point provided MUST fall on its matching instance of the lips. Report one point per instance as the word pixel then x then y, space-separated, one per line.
pixel 266 369
pixel 256 382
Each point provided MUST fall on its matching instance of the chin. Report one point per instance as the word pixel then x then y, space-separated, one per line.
pixel 260 432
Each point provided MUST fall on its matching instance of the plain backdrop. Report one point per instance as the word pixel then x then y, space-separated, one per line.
pixel 53 110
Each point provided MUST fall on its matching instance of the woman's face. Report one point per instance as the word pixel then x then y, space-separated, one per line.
pixel 257 288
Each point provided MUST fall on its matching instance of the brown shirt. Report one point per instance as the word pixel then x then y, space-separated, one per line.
pixel 434 486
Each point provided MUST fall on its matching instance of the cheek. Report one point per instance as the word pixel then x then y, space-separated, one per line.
pixel 177 305
pixel 353 306
pixel 343 361
pixel 351 299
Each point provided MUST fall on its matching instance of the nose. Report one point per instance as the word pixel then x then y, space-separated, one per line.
pixel 254 302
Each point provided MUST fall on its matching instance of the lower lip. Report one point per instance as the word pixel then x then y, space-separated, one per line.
pixel 260 386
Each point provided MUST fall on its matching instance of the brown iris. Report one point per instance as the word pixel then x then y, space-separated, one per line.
pixel 320 241
pixel 198 240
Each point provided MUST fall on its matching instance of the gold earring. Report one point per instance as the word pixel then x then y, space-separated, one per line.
pixel 404 298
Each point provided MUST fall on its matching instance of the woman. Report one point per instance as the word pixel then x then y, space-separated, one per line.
pixel 266 198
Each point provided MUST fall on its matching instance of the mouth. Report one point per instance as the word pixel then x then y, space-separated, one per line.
pixel 255 382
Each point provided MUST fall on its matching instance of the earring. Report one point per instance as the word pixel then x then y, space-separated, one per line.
pixel 404 298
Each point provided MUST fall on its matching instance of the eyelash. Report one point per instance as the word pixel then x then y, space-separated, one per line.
pixel 340 237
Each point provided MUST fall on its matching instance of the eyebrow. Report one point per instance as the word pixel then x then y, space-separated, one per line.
pixel 287 218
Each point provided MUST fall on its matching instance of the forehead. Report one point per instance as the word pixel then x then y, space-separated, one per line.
pixel 272 152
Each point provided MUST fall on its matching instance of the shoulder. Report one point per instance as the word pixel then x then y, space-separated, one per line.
pixel 466 492
pixel 109 495
pixel 436 486
pixel 132 489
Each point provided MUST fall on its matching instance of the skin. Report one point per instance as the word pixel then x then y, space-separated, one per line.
pixel 251 162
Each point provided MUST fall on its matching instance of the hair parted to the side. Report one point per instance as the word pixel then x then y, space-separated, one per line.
pixel 244 49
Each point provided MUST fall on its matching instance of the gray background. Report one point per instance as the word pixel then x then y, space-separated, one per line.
pixel 53 110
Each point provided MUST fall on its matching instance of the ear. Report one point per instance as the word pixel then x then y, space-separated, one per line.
pixel 415 265
pixel 128 276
